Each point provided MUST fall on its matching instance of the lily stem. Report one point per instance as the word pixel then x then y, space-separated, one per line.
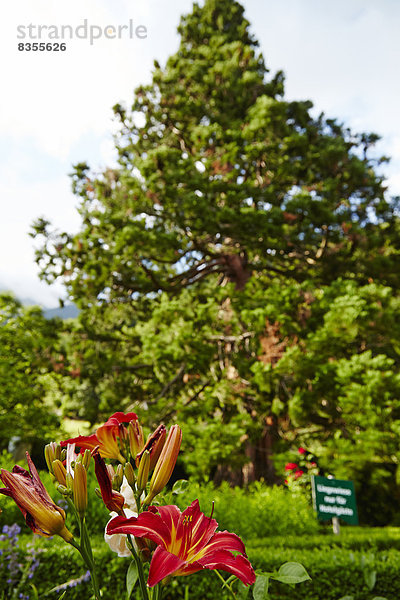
pixel 90 565
pixel 139 564
pixel 225 584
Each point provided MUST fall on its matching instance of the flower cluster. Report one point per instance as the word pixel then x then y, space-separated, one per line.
pixel 11 561
pixel 302 469
pixel 131 473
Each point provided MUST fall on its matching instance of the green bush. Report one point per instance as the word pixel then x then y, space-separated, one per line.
pixel 335 571
pixel 258 511
pixel 351 538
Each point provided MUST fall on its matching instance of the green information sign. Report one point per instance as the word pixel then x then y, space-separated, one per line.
pixel 334 498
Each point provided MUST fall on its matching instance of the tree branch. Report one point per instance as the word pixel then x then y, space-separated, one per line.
pixel 169 384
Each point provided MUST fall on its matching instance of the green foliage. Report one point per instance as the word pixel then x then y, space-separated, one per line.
pixel 28 343
pixel 10 512
pixel 365 540
pixel 268 510
pixel 343 389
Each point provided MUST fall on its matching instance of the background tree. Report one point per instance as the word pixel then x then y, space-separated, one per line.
pixel 195 257
pixel 28 354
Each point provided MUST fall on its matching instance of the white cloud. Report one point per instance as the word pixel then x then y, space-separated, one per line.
pixel 56 97
pixel 23 203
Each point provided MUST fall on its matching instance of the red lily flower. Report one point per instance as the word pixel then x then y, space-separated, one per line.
pixel 106 437
pixel 26 489
pixel 186 542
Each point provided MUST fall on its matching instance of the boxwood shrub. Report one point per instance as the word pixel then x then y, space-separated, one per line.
pixel 336 570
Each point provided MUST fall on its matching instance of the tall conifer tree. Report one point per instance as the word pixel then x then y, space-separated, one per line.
pixel 193 261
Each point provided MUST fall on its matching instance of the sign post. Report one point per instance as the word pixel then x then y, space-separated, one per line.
pixel 334 498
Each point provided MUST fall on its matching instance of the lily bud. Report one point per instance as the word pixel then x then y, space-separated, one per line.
pixel 143 472
pixel 154 445
pixel 136 441
pixel 59 472
pixel 130 474
pixel 112 499
pixel 110 471
pixel 63 490
pixel 52 452
pixel 166 463
pixel 118 477
pixel 80 488
pixel 123 434
pixel 69 482
pixel 87 455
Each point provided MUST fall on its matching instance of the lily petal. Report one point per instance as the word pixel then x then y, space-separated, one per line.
pixel 147 525
pixel 237 565
pixel 171 516
pixel 195 529
pixel 105 436
pixel 163 564
pixel 221 540
pixel 84 442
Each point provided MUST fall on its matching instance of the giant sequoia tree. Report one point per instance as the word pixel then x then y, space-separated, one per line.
pixel 195 257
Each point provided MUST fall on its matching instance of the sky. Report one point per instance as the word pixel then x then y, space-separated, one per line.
pixel 56 107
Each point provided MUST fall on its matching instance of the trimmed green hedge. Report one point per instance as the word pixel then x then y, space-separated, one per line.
pixel 335 572
pixel 334 563
pixel 352 538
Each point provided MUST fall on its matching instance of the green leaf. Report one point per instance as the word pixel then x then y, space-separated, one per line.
pixel 131 578
pixel 62 595
pixel 35 592
pixel 379 598
pixel 260 591
pixel 242 591
pixel 291 573
pixel 370 579
pixel 180 486
pixel 347 598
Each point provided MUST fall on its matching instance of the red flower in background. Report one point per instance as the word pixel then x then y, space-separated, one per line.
pixel 302 450
pixel 298 474
pixel 186 542
pixel 291 466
